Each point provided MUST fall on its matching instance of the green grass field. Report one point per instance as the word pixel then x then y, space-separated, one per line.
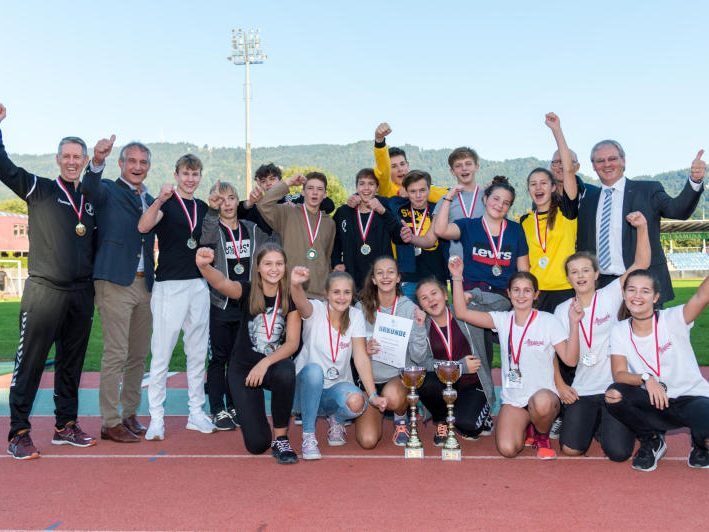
pixel 9 333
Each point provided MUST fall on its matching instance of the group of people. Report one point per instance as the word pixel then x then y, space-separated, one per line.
pixel 277 293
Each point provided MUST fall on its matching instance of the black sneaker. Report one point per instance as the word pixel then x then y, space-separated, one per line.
pixel 439 438
pixel 22 448
pixel 222 420
pixel 488 425
pixel 234 418
pixel 282 451
pixel 72 434
pixel 698 457
pixel 649 453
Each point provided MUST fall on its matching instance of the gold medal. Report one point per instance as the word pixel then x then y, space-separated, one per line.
pixel 80 229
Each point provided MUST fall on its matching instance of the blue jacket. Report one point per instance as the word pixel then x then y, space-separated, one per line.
pixel 119 243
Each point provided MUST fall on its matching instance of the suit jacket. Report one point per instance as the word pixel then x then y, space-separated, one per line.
pixel 650 198
pixel 119 243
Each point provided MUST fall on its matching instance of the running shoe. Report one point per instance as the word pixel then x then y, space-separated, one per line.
pixel 439 438
pixel 698 457
pixel 469 437
pixel 649 453
pixel 488 425
pixel 223 421
pixel 310 450
pixel 543 447
pixel 200 421
pixel 22 448
pixel 401 433
pixel 529 437
pixel 156 429
pixel 72 434
pixel 234 417
pixel 555 430
pixel 336 432
pixel 282 451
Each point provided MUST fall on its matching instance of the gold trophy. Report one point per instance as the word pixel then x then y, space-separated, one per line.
pixel 448 373
pixel 412 377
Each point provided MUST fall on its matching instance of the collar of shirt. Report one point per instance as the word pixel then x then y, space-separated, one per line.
pixel 143 190
pixel 618 186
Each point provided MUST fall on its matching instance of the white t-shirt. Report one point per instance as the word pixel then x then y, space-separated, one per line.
pixel 678 367
pixel 593 372
pixel 315 343
pixel 536 360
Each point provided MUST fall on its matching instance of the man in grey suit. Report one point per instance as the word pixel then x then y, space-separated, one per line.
pixel 123 279
pixel 602 228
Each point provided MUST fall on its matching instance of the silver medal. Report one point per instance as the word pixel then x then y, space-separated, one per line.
pixel 589 359
pixel 496 270
pixel 514 375
pixel 332 373
pixel 417 251
pixel 543 262
pixel 238 269
pixel 191 243
pixel 365 249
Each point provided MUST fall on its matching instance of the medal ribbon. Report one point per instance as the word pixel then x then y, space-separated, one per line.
pixel 71 200
pixel 448 338
pixel 655 325
pixel 364 231
pixel 393 308
pixel 496 249
pixel 312 236
pixel 233 240
pixel 589 339
pixel 192 222
pixel 468 213
pixel 510 341
pixel 333 354
pixel 417 231
pixel 539 233
pixel 269 332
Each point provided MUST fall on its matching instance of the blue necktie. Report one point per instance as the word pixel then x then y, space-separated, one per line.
pixel 604 248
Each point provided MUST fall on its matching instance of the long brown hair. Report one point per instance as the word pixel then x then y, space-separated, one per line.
pixel 335 276
pixel 623 312
pixel 257 300
pixel 369 295
pixel 555 198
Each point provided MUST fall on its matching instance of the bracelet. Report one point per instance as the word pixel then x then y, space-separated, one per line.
pixel 448 199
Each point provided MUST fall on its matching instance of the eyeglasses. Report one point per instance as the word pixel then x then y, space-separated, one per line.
pixel 613 159
pixel 557 162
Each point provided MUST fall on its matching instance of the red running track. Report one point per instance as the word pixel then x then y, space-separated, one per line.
pixel 193 481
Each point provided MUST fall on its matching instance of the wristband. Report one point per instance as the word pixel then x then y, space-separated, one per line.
pixel 448 199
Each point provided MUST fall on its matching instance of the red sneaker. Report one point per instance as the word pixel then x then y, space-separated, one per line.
pixel 72 434
pixel 543 447
pixel 22 448
pixel 529 440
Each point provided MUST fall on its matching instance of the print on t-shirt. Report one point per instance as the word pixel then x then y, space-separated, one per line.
pixel 244 249
pixel 257 331
pixel 405 212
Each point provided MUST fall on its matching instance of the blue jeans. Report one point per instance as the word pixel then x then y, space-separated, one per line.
pixel 318 401
pixel 409 290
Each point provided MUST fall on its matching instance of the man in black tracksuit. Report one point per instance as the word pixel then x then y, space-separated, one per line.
pixel 58 300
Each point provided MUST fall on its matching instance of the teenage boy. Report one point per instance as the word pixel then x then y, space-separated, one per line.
pixel 468 202
pixel 308 234
pixel 415 214
pixel 235 243
pixel 58 302
pixel 363 233
pixel 180 295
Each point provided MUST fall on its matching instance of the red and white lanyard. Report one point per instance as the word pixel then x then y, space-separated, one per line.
pixel 233 240
pixel 468 213
pixel 510 341
pixel 311 235
pixel 655 327
pixel 543 245
pixel 448 338
pixel 192 222
pixel 364 231
pixel 417 230
pixel 269 330
pixel 496 249
pixel 78 211
pixel 589 339
pixel 393 308
pixel 333 352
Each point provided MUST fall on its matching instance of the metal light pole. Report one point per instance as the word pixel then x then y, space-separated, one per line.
pixel 246 50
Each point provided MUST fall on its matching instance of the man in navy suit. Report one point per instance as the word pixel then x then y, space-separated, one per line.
pixel 123 279
pixel 602 228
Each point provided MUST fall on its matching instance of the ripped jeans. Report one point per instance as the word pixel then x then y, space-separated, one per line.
pixel 315 400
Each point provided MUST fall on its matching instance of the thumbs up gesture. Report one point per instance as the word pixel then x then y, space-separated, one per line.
pixel 3 112
pixel 699 167
pixel 102 150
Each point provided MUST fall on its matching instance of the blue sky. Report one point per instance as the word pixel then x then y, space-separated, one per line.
pixel 442 74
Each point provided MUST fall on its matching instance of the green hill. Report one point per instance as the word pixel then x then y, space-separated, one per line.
pixel 343 161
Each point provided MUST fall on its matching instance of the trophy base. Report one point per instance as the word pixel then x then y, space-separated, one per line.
pixel 413 453
pixel 453 455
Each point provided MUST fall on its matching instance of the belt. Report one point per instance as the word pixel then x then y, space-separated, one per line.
pixel 140 274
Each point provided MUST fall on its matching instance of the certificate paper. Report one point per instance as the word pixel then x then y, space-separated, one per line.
pixel 392 333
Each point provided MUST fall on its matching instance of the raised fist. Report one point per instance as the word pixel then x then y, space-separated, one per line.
pixel 697 171
pixel 636 219
pixel 552 121
pixel 353 201
pixel 215 200
pixel 204 257
pixel 166 192
pixel 455 266
pixel 382 131
pixel 3 112
pixel 299 275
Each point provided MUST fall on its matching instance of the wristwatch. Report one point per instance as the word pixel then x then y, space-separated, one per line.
pixel 645 377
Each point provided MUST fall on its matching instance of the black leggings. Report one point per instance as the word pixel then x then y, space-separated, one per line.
pixel 470 408
pixel 251 406
pixel 635 412
pixel 589 417
pixel 222 335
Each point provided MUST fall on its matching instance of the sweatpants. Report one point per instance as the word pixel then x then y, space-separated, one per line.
pixel 251 405
pixel 178 305
pixel 50 316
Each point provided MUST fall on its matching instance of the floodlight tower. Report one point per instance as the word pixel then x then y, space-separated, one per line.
pixel 246 50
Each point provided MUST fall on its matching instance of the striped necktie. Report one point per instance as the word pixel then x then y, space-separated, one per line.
pixel 604 248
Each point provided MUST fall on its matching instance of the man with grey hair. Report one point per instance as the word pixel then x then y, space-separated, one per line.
pixel 558 171
pixel 58 301
pixel 602 228
pixel 123 279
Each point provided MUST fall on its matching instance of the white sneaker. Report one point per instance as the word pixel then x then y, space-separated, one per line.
pixel 156 429
pixel 336 433
pixel 311 451
pixel 200 421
